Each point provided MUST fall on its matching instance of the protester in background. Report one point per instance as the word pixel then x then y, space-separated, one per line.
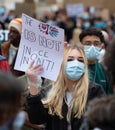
pixel 11 15
pixel 104 107
pixel 62 105
pixel 70 25
pixel 75 36
pixel 93 40
pixel 104 47
pixel 11 117
pixel 100 114
pixel 86 20
pixel 79 22
pixel 109 61
pixel 106 38
pixel 100 23
pixel 4 65
pixel 9 49
pixel 3 15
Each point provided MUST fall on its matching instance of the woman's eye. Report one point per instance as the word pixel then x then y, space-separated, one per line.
pixel 69 59
pixel 80 60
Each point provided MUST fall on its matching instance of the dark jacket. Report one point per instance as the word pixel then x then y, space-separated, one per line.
pixel 39 115
pixel 99 126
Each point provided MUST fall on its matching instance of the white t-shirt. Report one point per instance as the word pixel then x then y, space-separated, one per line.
pixel 68 100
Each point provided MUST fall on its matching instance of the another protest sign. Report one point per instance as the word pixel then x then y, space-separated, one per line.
pixel 4 35
pixel 75 9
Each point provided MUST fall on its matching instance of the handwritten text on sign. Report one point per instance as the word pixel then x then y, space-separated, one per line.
pixel 44 44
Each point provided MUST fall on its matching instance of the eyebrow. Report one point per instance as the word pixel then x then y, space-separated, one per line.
pixel 92 41
pixel 80 57
pixel 70 56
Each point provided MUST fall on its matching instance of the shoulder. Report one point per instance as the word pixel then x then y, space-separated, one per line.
pixel 95 90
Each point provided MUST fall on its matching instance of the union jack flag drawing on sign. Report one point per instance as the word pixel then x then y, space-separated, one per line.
pixel 48 30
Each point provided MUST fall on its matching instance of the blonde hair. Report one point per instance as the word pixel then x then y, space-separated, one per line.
pixel 55 97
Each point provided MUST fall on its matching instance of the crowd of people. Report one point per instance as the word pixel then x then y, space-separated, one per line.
pixel 81 98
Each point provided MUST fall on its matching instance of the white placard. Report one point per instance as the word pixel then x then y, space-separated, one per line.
pixel 43 43
pixel 75 9
pixel 4 35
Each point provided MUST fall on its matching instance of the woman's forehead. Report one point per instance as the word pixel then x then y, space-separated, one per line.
pixel 75 53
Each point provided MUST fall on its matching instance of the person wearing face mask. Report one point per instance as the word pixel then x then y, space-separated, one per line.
pixel 61 106
pixel 93 40
pixel 86 21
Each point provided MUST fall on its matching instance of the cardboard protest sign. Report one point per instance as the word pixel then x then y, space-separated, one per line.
pixel 44 44
pixel 75 9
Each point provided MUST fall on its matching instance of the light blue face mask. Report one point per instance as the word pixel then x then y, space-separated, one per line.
pixel 86 25
pixel 74 70
pixel 91 52
pixel 101 55
pixel 19 121
pixel 100 24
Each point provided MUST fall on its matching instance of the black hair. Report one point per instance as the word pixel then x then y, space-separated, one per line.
pixel 10 97
pixel 109 60
pixel 2 25
pixel 91 32
pixel 100 113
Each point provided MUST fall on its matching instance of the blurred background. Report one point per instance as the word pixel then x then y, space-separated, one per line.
pixel 67 14
pixel 39 5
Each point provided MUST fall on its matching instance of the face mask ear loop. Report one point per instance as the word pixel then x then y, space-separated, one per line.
pixel 102 47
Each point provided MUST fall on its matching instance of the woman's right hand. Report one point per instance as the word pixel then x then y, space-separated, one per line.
pixel 33 72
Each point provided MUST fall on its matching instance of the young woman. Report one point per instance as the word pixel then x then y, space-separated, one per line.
pixel 62 105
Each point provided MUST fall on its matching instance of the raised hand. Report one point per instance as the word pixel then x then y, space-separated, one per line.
pixel 33 73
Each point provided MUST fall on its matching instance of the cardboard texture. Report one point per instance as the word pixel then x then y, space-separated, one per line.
pixel 27 8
